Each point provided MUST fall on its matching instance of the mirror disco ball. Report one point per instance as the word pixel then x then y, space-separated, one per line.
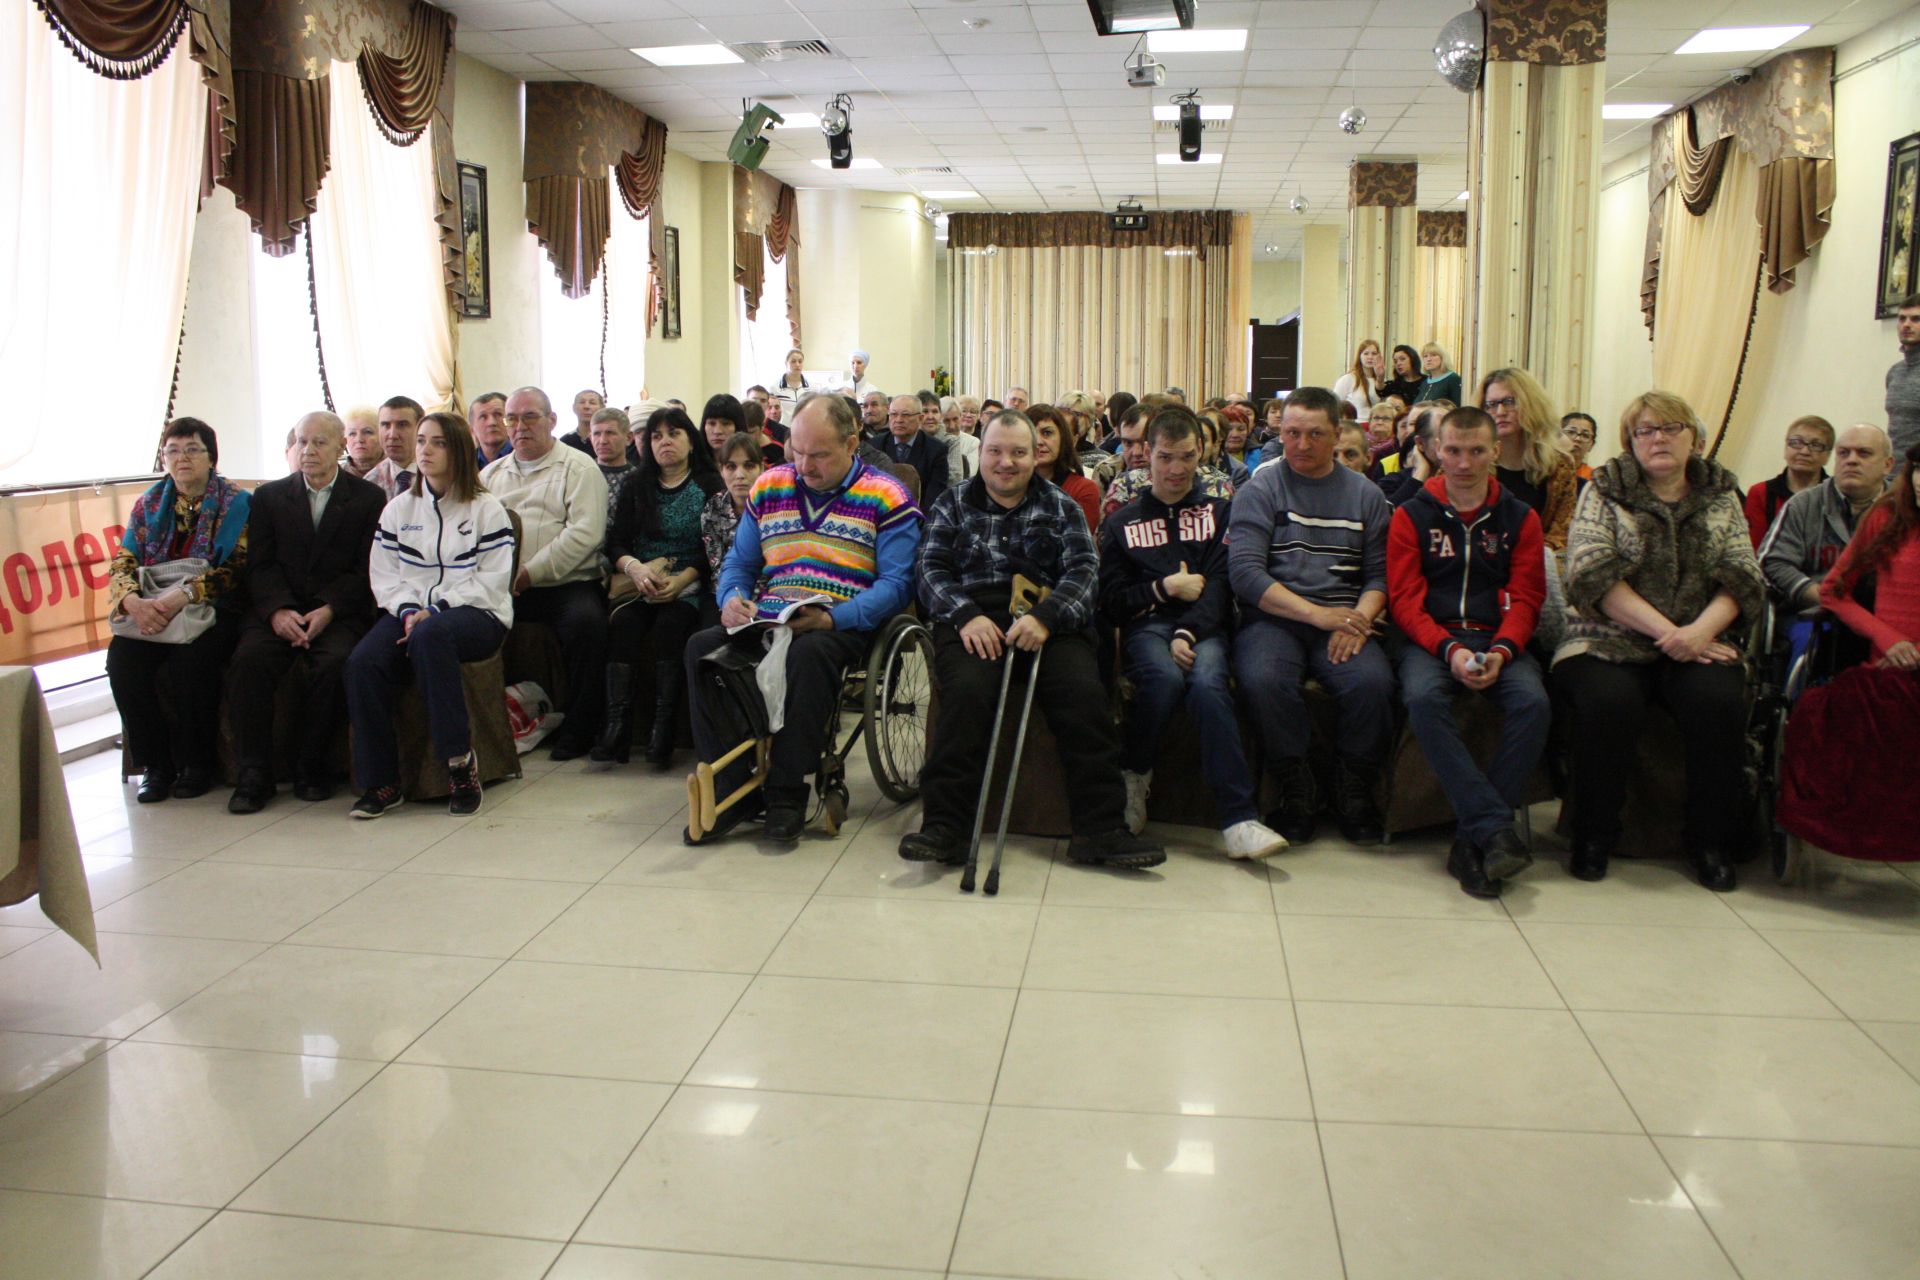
pixel 1352 120
pixel 1461 49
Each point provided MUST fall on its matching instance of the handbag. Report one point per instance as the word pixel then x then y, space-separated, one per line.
pixel 156 580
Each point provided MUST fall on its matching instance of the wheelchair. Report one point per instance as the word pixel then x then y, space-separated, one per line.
pixel 1781 669
pixel 893 694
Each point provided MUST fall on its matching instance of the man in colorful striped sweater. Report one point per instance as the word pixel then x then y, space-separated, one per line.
pixel 824 524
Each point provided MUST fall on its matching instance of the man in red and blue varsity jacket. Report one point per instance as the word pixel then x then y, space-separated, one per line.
pixel 1163 583
pixel 1466 574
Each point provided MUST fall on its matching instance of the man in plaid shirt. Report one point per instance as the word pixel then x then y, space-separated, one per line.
pixel 1001 522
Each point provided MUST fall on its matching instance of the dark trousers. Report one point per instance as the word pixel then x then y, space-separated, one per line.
pixel 381 667
pixel 669 626
pixel 1610 701
pixel 1483 800
pixel 817 663
pixel 260 662
pixel 1068 695
pixel 192 740
pixel 1272 656
pixel 1159 687
pixel 577 611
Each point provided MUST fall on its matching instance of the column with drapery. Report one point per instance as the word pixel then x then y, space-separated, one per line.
pixel 1054 301
pixel 1439 281
pixel 383 283
pixel 1533 182
pixel 1740 190
pixel 583 145
pixel 766 235
pixel 104 156
pixel 1380 250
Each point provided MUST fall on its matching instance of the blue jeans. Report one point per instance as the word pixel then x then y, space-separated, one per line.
pixel 1158 687
pixel 1483 802
pixel 1272 656
pixel 381 666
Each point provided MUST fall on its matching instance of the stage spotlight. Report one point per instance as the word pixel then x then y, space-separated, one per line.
pixel 836 121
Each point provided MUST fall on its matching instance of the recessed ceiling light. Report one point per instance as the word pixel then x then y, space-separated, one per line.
pixel 1634 110
pixel 688 55
pixel 1216 41
pixel 1208 111
pixel 859 162
pixel 956 194
pixel 800 120
pixel 1033 128
pixel 1740 39
pixel 1173 157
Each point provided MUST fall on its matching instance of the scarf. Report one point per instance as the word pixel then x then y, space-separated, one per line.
pixel 217 525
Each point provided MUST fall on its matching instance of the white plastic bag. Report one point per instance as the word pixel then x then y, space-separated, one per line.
pixel 530 715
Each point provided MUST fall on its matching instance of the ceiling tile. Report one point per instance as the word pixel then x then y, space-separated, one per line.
pixel 594 60
pixel 662 31
pixel 865 22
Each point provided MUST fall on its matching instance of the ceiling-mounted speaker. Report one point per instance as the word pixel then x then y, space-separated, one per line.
pixel 1461 50
pixel 1190 130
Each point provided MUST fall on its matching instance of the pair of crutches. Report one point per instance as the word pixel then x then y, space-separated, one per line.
pixel 1026 594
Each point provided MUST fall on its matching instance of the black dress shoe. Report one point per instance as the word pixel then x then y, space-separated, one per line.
pixel 313 788
pixel 1465 864
pixel 1117 848
pixel 1589 859
pixel 1711 868
pixel 251 793
pixel 786 819
pixel 1360 820
pixel 934 844
pixel 1505 855
pixel 568 749
pixel 155 785
pixel 192 782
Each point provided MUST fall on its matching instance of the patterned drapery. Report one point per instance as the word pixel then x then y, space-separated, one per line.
pixel 575 133
pixel 1199 229
pixel 766 223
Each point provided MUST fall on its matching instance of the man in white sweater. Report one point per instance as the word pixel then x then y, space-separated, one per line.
pixel 561 499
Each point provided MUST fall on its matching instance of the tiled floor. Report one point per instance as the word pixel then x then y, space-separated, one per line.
pixel 551 1041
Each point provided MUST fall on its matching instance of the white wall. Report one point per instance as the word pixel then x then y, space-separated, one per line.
pixel 503 351
pixel 1827 354
pixel 867 281
pixel 1276 288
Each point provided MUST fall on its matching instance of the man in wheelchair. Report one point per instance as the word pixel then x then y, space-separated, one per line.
pixel 824 525
pixel 1003 523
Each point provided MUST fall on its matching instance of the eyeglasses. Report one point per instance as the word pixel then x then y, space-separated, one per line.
pixel 171 454
pixel 527 419
pixel 1504 402
pixel 1667 430
pixel 1798 443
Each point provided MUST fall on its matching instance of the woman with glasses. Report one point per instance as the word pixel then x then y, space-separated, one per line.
pixel 1578 432
pixel 193 513
pixel 1659 572
pixel 1531 466
pixel 1809 442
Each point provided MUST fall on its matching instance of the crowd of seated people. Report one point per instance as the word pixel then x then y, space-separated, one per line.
pixel 1379 541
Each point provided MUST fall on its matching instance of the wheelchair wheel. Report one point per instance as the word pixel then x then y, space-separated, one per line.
pixel 899 698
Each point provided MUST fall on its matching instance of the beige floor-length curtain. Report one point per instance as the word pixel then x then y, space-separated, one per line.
pixel 94 243
pixel 1709 267
pixel 385 327
pixel 1439 298
pixel 1056 319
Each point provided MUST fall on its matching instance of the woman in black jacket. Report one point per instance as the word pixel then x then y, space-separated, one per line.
pixel 660 575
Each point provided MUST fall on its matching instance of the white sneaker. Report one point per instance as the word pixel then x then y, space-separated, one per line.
pixel 1252 839
pixel 1138 784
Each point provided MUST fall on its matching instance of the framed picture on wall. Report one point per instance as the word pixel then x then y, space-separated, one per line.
pixel 670 268
pixel 1899 262
pixel 476 283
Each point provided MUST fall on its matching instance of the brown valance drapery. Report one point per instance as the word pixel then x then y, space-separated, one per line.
pixel 1199 229
pixel 1783 119
pixel 1442 230
pixel 766 224
pixel 575 133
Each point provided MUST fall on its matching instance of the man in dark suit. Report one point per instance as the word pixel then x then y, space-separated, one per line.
pixel 309 538
pixel 907 444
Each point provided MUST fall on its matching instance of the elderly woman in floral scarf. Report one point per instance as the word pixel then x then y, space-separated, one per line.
pixel 194 512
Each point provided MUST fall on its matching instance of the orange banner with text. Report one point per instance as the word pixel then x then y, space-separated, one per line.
pixel 55 548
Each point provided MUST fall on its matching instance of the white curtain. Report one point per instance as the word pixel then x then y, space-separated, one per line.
pixel 765 339
pixel 286 367
pixel 624 275
pixel 94 242
pixel 569 340
pixel 384 321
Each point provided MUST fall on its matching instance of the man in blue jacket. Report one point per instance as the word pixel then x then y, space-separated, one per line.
pixel 1163 583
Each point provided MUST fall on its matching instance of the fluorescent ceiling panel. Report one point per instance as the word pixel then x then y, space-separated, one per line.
pixel 950 195
pixel 1740 39
pixel 689 55
pixel 1215 41
pixel 1208 111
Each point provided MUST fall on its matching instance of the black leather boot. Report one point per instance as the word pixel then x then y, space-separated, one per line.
pixel 1711 867
pixel 668 679
pixel 616 739
pixel 1590 857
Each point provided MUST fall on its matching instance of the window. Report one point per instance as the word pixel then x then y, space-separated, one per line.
pixel 766 339
pixel 287 363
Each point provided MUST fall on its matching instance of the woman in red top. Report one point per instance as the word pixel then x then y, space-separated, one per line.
pixel 1809 442
pixel 1056 455
pixel 1847 782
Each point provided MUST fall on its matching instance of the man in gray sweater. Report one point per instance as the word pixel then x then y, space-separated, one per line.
pixel 1307 557
pixel 1817 523
pixel 1903 381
